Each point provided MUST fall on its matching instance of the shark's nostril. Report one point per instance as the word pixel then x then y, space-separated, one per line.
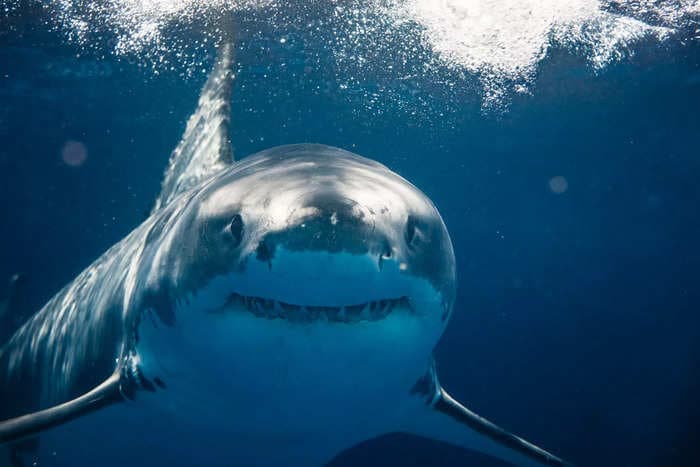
pixel 265 251
pixel 384 256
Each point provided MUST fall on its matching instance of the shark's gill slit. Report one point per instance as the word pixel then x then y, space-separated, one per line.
pixel 373 310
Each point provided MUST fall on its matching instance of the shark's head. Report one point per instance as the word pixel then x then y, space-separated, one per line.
pixel 306 250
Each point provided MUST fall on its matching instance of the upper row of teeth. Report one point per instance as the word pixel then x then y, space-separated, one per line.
pixel 271 309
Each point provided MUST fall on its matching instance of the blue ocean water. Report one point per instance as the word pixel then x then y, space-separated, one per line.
pixel 573 208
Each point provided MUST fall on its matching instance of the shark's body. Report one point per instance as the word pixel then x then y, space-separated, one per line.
pixel 271 311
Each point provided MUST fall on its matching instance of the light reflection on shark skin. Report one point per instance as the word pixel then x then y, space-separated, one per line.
pixel 278 309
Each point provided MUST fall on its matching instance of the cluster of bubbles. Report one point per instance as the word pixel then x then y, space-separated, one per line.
pixel 163 35
pixel 502 42
pixel 403 47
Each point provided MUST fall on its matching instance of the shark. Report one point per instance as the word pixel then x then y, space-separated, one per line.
pixel 273 310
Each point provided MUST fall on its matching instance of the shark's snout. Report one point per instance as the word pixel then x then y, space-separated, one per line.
pixel 326 222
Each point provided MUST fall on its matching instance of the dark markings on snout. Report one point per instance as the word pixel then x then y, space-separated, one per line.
pixel 333 225
pixel 265 251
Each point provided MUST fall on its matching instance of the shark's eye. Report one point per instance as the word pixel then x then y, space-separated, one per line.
pixel 410 232
pixel 235 228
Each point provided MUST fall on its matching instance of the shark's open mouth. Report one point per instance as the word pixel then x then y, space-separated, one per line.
pixel 373 310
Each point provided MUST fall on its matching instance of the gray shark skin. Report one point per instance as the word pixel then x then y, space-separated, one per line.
pixel 271 311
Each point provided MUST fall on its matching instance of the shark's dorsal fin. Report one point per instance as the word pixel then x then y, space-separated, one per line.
pixel 205 147
pixel 109 392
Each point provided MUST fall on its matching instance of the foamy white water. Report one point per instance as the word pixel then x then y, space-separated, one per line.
pixel 141 26
pixel 501 42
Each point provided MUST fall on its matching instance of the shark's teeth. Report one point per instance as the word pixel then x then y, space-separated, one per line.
pixel 365 315
pixel 374 310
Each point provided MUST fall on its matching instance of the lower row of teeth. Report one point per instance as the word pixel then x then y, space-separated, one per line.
pixel 274 309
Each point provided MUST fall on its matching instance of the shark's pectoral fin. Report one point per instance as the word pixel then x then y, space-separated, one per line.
pixel 24 426
pixel 491 438
pixel 441 417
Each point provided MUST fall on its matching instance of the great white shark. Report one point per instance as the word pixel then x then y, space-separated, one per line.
pixel 270 311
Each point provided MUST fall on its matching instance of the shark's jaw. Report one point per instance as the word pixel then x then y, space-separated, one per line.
pixel 373 310
pixel 342 333
pixel 318 287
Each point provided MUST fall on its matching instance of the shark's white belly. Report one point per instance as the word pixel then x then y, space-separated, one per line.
pixel 284 393
pixel 275 377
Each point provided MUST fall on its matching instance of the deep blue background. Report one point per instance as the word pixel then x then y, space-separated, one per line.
pixel 577 317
